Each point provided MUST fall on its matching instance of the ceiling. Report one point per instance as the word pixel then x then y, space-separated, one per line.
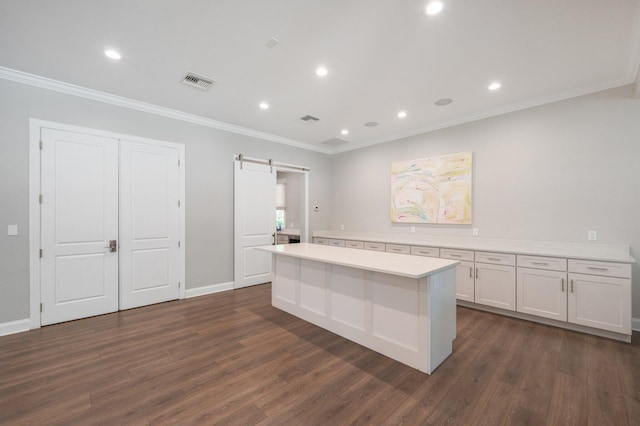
pixel 382 57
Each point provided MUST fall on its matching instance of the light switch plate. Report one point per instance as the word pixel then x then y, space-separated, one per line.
pixel 12 230
pixel 592 235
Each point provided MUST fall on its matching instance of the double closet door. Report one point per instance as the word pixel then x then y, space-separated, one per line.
pixel 110 224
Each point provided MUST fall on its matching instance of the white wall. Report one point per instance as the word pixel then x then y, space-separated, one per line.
pixel 547 173
pixel 209 182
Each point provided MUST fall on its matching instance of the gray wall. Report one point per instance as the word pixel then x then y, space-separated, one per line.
pixel 209 182
pixel 546 173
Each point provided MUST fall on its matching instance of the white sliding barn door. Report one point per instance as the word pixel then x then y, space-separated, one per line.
pixel 149 224
pixel 254 222
pixel 79 216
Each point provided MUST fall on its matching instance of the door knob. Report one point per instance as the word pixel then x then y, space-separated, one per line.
pixel 113 246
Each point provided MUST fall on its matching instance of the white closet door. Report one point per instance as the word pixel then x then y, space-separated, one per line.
pixel 254 222
pixel 79 216
pixel 149 224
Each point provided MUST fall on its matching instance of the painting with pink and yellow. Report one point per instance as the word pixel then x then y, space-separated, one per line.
pixel 432 190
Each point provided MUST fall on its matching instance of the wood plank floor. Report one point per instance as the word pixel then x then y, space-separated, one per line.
pixel 231 358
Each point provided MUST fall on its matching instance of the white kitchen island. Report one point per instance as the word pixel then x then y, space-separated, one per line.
pixel 401 306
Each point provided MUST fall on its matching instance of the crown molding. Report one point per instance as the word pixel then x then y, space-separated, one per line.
pixel 95 95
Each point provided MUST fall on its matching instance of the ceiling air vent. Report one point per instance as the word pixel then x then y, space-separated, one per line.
pixel 307 119
pixel 334 142
pixel 198 81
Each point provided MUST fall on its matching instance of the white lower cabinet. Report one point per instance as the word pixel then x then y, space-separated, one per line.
pixel 600 302
pixel 583 292
pixel 465 284
pixel 495 285
pixel 542 293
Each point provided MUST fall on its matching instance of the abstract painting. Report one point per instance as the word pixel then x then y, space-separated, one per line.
pixel 432 190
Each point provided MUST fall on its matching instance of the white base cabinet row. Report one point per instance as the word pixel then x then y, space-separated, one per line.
pixel 574 291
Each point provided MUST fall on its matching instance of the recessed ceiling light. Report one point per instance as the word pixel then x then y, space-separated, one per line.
pixel 495 86
pixel 344 132
pixel 113 54
pixel 264 105
pixel 434 7
pixel 370 124
pixel 443 101
pixel 321 71
pixel 402 114
pixel 271 43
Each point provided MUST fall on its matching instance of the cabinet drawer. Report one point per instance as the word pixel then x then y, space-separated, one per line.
pixel 607 269
pixel 355 244
pixel 323 241
pixel 538 262
pixel 282 239
pixel 496 258
pixel 336 243
pixel 456 254
pixel 374 246
pixel 425 251
pixel 396 248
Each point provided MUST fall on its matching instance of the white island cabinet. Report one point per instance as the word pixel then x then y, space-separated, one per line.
pixel 401 306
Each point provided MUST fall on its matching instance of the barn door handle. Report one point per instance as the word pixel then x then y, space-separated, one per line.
pixel 113 246
pixel 274 239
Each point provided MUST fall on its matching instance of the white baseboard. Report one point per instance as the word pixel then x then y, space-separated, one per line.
pixel 15 327
pixel 208 289
pixel 635 324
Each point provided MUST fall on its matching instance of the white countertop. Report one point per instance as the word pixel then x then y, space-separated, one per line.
pixel 387 263
pixel 588 251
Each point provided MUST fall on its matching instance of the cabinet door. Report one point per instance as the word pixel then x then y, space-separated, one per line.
pixel 542 293
pixel 496 286
pixel 600 302
pixel 464 282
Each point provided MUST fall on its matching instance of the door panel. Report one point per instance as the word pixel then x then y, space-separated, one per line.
pixel 254 222
pixel 149 224
pixel 79 216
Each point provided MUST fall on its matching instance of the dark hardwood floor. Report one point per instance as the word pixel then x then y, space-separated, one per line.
pixel 231 358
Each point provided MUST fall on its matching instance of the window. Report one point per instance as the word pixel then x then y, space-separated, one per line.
pixel 281 203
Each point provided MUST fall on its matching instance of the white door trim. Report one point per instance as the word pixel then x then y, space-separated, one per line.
pixel 35 126
pixel 304 224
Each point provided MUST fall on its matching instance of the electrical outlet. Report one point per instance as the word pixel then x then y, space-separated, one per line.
pixel 592 235
pixel 412 229
pixel 475 232
pixel 342 227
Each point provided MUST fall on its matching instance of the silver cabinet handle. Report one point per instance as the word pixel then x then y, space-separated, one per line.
pixel 571 286
pixel 593 268
pixel 476 273
pixel 540 263
pixel 470 273
pixel 455 255
pixel 562 285
pixel 495 259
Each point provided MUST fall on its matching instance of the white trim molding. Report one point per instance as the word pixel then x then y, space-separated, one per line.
pixel 209 289
pixel 95 95
pixel 13 327
pixel 635 324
